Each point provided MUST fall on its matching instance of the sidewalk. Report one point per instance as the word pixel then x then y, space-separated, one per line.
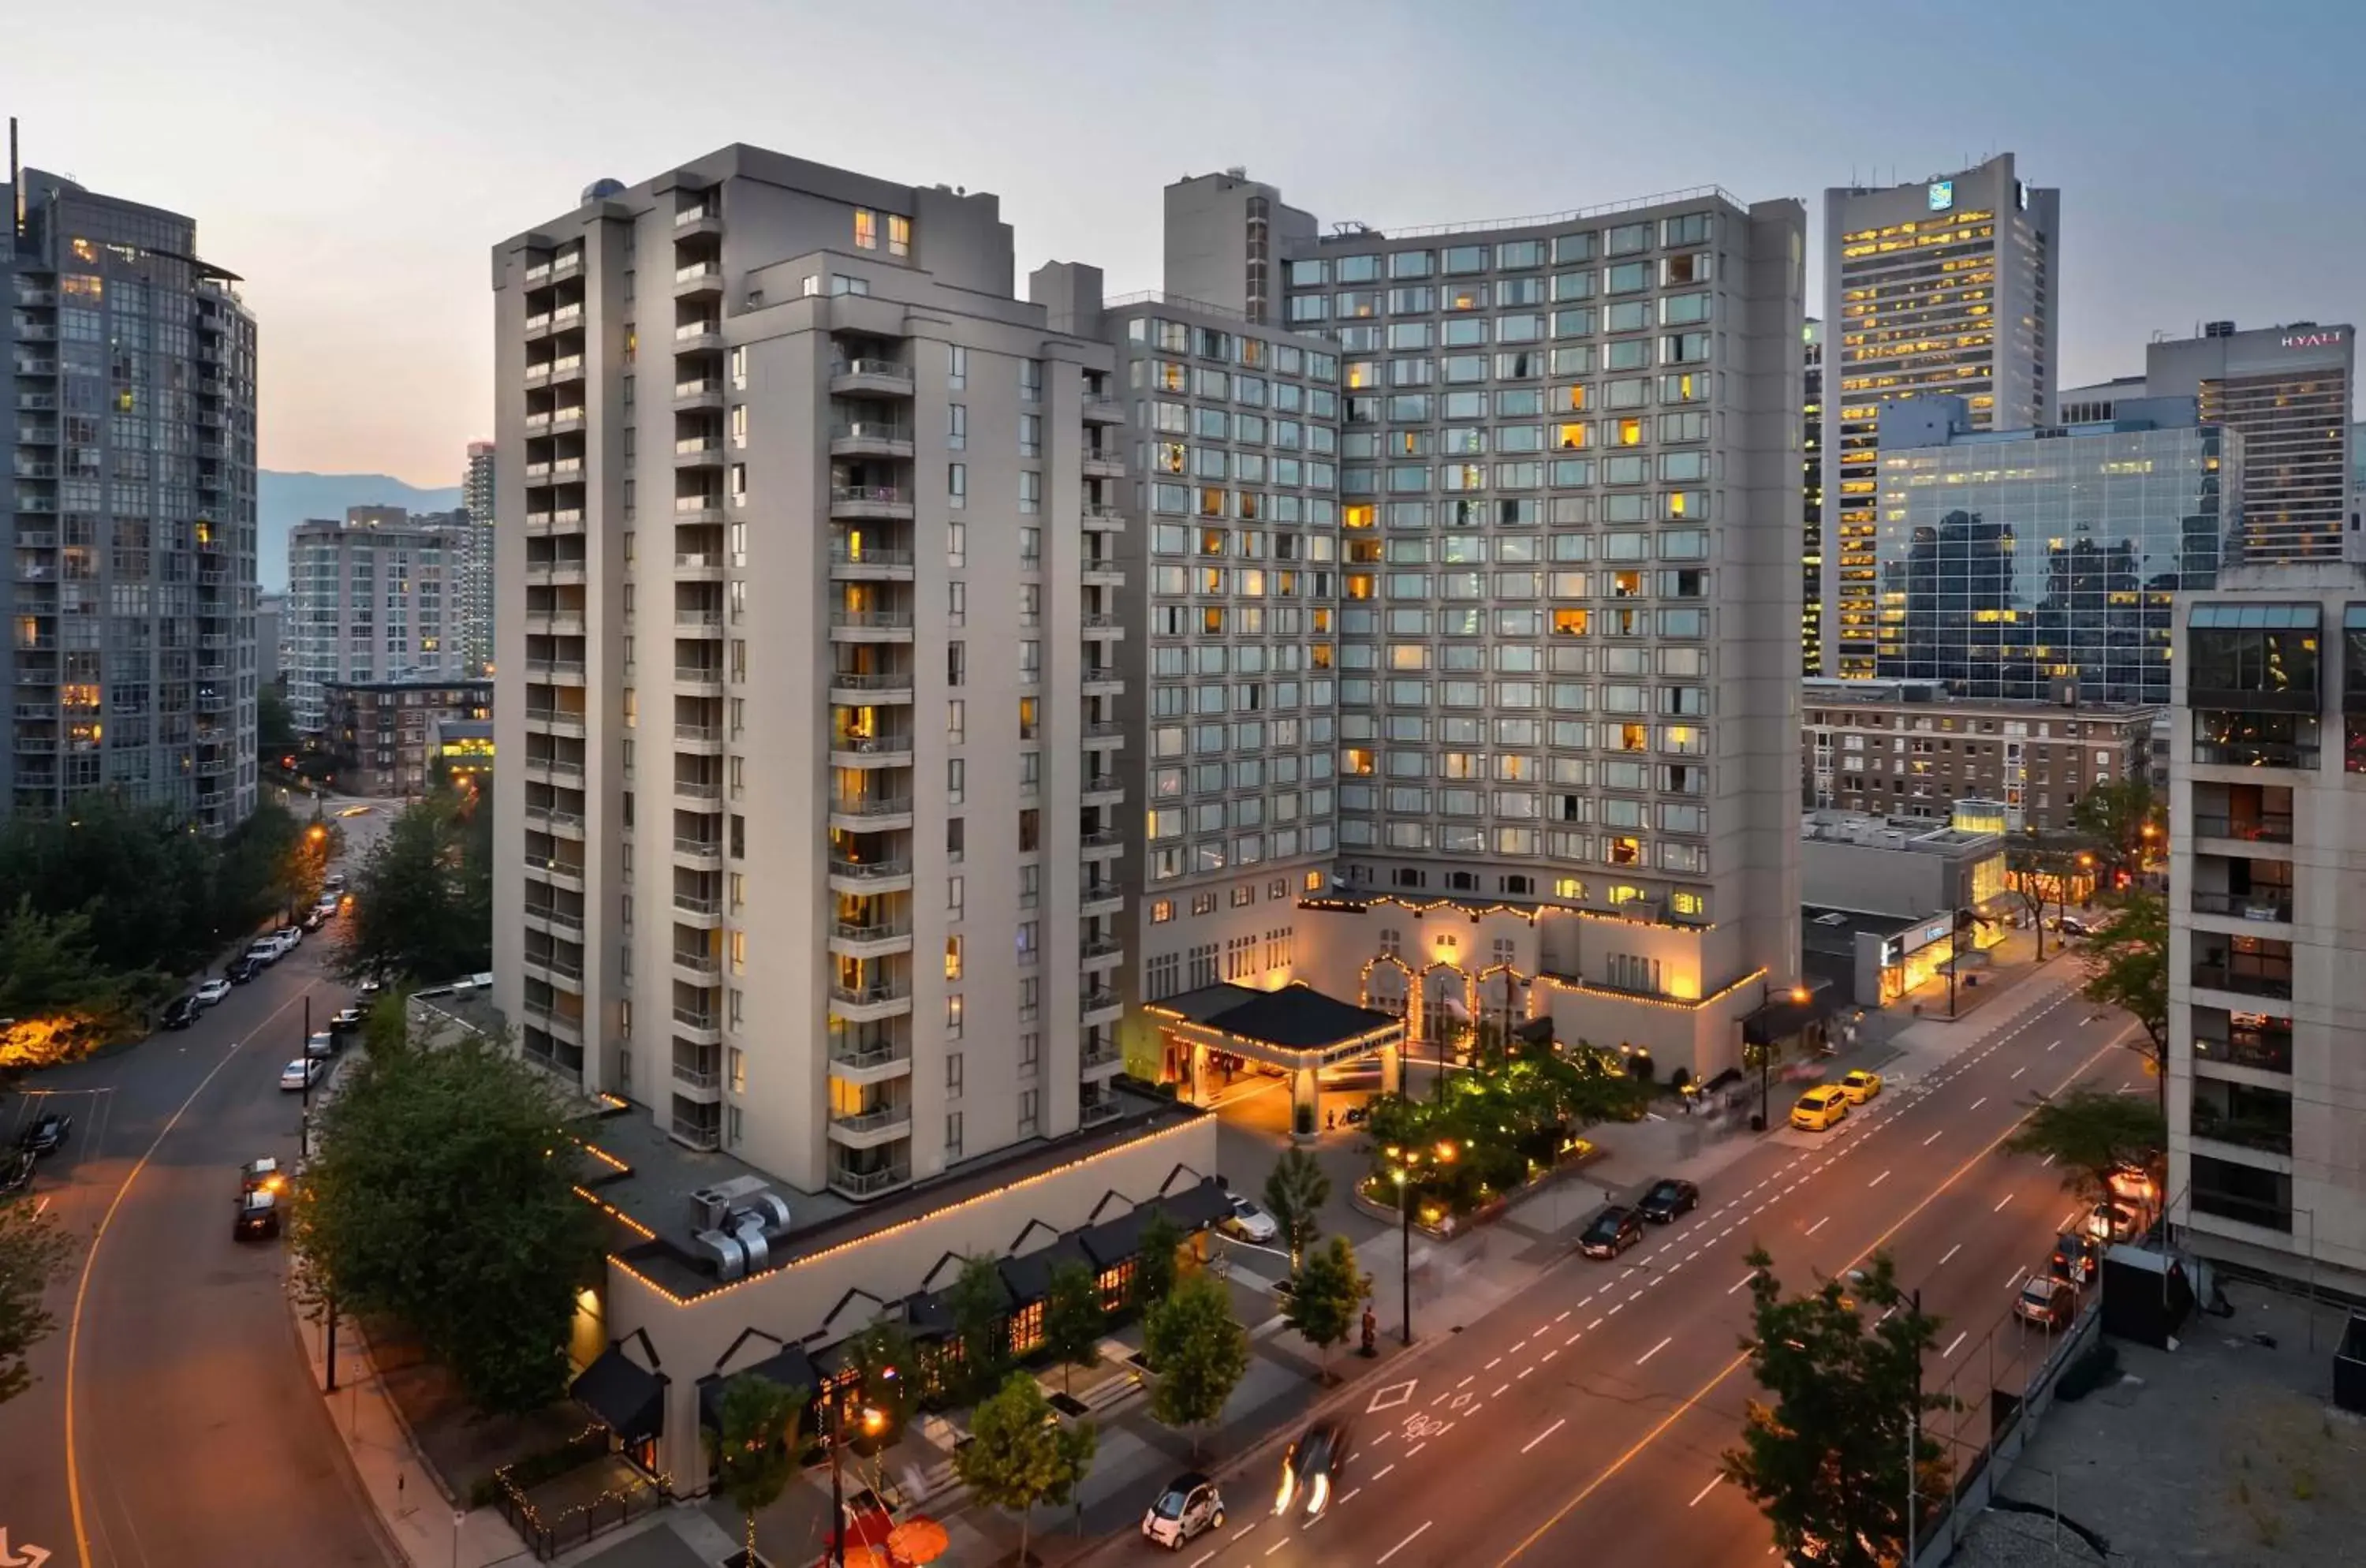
pixel 422 1527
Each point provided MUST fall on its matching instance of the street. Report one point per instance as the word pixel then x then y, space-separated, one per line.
pixel 173 1419
pixel 1584 1421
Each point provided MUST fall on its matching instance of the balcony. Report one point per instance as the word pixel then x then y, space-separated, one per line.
pixel 870 625
pixel 696 1134
pixel 1104 465
pixel 1102 570
pixel 870 378
pixel 698 280
pixel 869 877
pixel 696 1079
pixel 860 1004
pixel 1102 681
pixel 707 218
pixel 698 392
pixel 1099 1002
pixel 568 873
pixel 870 752
pixel 2256 1041
pixel 2251 978
pixel 864 563
pixel 867 1129
pixel 698 1021
pixel 560 824
pixel 1099 1053
pixel 871 813
pixel 537 327
pixel 1100 627
pixel 1100 949
pixel 1093 1112
pixel 871 438
pixel 1102 841
pixel 701 336
pixel 860 1184
pixel 701 909
pixel 698 566
pixel 551 917
pixel 1103 411
pixel 698 452
pixel 559 672
pixel 1103 789
pixel 851 941
pixel 2260 904
pixel 2264 829
pixel 698 795
pixel 2243 1115
pixel 1100 898
pixel 1102 519
pixel 553 767
pixel 567 971
pixel 856 503
pixel 858 687
pixel 566 420
pixel 1104 733
pixel 706 739
pixel 707 679
pixel 701 507
pixel 567 369
pixel 698 623
pixel 700 852
pixel 854 1053
pixel 554 623
pixel 698 968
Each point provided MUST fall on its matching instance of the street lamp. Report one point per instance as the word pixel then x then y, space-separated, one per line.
pixel 873 1423
pixel 1401 1174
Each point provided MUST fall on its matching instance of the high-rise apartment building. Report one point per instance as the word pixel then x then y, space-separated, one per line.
pixel 1569 516
pixel 1946 285
pixel 2016 564
pixel 476 596
pixel 2267 962
pixel 375 598
pixel 130 524
pixel 2286 391
pixel 1811 509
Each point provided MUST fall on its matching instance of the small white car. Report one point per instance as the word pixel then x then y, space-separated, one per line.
pixel 1250 1223
pixel 211 992
pixel 1190 1505
pixel 301 1075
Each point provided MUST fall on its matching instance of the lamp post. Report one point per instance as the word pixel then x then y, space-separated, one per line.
pixel 1402 1173
pixel 304 1054
pixel 872 1421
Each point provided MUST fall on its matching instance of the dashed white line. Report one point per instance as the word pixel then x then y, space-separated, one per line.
pixel 1934 1137
pixel 1203 1557
pixel 1243 1529
pixel 2021 1069
pixel 1416 1447
pixel 1278 1545
pixel 1466 1381
pixel 1349 1498
pixel 1978 1103
pixel 1383 1474
pixel 1743 1281
pixel 1638 1295
pixel 1958 1344
pixel 1549 1355
pixel 2047 1161
pixel 2000 1203
pixel 1497 1394
pixel 1408 1540
pixel 1562 1316
pixel 1548 1432
pixel 1951 1252
pixel 1493 1365
pixel 1614 1312
pixel 1876 1181
pixel 2017 1273
pixel 1714 1482
pixel 1819 1225
pixel 1574 1338
pixel 1523 1372
pixel 1655 1349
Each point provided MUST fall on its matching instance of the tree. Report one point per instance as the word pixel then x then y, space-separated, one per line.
pixel 1295 1191
pixel 2131 960
pixel 1072 1320
pixel 2040 872
pixel 275 724
pixel 1826 1460
pixel 2092 1133
pixel 1020 1454
pixel 980 1305
pixel 884 1356
pixel 2122 819
pixel 422 903
pixel 1154 1261
pixel 1324 1295
pixel 33 1251
pixel 443 1195
pixel 1199 1353
pixel 57 1001
pixel 754 1446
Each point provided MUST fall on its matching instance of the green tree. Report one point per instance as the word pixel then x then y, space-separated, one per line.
pixel 2122 820
pixel 1324 1295
pixel 1020 1454
pixel 980 1306
pixel 274 726
pixel 2131 972
pixel 2090 1132
pixel 1154 1261
pixel 2039 872
pixel 1295 1191
pixel 1199 1352
pixel 754 1445
pixel 884 1356
pixel 1072 1321
pixel 56 999
pixel 422 903
pixel 33 1251
pixel 1824 1456
pixel 442 1195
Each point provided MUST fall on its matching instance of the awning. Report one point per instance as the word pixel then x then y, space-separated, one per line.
pixel 622 1395
pixel 1197 1208
pixel 1028 1279
pixel 792 1368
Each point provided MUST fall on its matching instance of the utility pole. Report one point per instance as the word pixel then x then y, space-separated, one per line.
pixel 1913 1440
pixel 304 1054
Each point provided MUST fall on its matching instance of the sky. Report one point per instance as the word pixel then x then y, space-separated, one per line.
pixel 356 162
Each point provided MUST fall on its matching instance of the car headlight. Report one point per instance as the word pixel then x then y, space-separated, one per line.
pixel 1288 1488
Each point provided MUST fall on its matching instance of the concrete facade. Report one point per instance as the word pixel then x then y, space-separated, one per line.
pixel 380 735
pixel 1948 285
pixel 2267 989
pixel 130 525
pixel 1898 865
pixel 375 598
pixel 478 498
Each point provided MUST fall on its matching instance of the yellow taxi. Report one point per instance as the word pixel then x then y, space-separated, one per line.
pixel 1819 1108
pixel 1860 1086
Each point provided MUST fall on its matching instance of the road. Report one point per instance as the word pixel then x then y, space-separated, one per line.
pixel 1583 1421
pixel 198 1434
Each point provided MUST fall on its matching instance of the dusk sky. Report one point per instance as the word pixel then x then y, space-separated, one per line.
pixel 356 162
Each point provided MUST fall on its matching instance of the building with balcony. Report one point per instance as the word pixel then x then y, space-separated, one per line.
pixel 2266 953
pixel 477 499
pixel 374 599
pixel 1811 509
pixel 1914 749
pixel 129 586
pixel 1943 285
pixel 380 736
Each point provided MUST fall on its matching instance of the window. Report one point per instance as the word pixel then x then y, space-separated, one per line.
pixel 956 486
pixel 1031 1102
pixel 957 425
pixel 1031 491
pixel 956 367
pixel 866 229
pixel 952 1134
pixel 953 960
pixel 1031 380
pixel 900 235
pixel 953 1016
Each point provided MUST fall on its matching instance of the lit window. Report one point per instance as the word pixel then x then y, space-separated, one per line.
pixel 866 230
pixel 953 958
pixel 899 236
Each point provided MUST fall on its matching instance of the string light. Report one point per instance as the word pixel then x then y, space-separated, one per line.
pixel 1679 1004
pixel 1531 914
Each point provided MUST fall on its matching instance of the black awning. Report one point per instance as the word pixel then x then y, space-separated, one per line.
pixel 1111 1242
pixel 622 1395
pixel 1028 1279
pixel 792 1368
pixel 1781 1018
pixel 1197 1208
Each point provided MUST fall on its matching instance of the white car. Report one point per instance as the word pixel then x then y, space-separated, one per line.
pixel 211 992
pixel 301 1075
pixel 1250 1223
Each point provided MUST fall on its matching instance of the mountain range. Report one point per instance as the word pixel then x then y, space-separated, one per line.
pixel 282 501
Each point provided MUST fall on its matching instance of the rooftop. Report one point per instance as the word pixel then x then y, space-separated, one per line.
pixel 1296 1018
pixel 1826 691
pixel 1835 931
pixel 1914 835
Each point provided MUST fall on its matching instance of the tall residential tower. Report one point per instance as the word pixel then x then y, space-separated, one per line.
pixel 475 597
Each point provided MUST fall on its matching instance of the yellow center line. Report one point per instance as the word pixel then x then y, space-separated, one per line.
pixel 1706 1389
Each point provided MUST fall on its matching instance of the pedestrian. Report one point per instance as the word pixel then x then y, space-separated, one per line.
pixel 1330 1121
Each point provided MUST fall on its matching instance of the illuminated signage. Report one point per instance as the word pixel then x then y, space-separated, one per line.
pixel 1942 194
pixel 2311 340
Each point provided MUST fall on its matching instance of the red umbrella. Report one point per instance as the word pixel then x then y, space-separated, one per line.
pixel 919 1540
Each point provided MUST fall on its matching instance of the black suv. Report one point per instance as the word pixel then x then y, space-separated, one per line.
pixel 1667 1199
pixel 181 1012
pixel 1613 1232
pixel 244 968
pixel 47 1135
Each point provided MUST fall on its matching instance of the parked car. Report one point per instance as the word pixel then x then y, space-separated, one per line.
pixel 211 992
pixel 15 1170
pixel 263 955
pixel 1312 1467
pixel 335 883
pixel 1613 1232
pixel 312 918
pixel 367 991
pixel 2075 1257
pixel 1667 1199
pixel 2047 1301
pixel 263 1171
pixel 320 1045
pixel 1190 1505
pixel 48 1133
pixel 2109 1221
pixel 1249 1222
pixel 346 1021
pixel 291 937
pixel 1860 1086
pixel 244 969
pixel 301 1074
pixel 182 1012
pixel 1824 1106
pixel 2071 925
pixel 258 1214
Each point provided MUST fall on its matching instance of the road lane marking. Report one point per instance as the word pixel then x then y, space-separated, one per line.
pixel 1876 1181
pixel 1655 1349
pixel 1383 1475
pixel 1574 1338
pixel 1614 1312
pixel 2021 1069
pixel 1244 1530
pixel 1934 1137
pixel 1958 1344
pixel 2047 1161
pixel 1278 1545
pixel 2000 1203
pixel 1497 1394
pixel 1493 1365
pixel 1951 1252
pixel 1714 1482
pixel 1819 1225
pixel 1611 1471
pixel 1740 1282
pixel 1523 1372
pixel 1976 1104
pixel 1348 1499
pixel 1597 1322
pixel 1417 1449
pixel 1548 1432
pixel 1203 1557
pixel 1559 1319
pixel 1465 1382
pixel 1408 1540
pixel 1549 1355
pixel 2017 1273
